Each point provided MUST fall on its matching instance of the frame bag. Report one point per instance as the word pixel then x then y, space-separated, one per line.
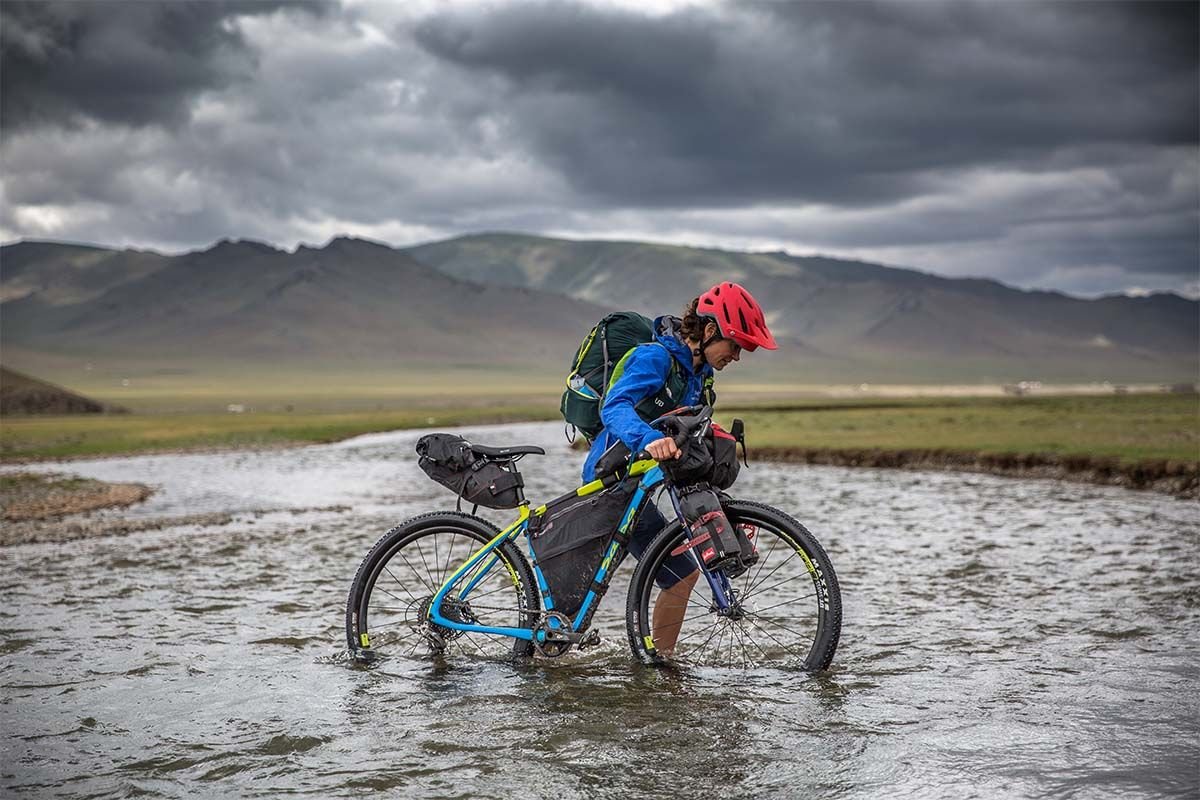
pixel 569 541
pixel 451 461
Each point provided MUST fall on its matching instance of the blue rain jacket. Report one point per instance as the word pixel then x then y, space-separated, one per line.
pixel 645 373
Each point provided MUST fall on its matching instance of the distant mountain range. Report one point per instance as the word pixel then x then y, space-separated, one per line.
pixel 525 302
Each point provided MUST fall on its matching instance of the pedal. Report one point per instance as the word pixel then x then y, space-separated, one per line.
pixel 589 639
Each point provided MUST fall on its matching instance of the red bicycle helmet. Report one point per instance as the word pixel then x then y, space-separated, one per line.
pixel 737 315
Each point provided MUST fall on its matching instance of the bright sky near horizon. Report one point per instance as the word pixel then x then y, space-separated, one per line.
pixel 1047 145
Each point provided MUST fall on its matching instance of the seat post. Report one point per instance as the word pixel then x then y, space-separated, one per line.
pixel 512 464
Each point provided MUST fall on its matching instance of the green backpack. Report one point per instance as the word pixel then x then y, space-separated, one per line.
pixel 599 361
pixel 592 367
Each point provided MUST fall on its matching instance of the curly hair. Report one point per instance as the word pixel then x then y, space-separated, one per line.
pixel 693 324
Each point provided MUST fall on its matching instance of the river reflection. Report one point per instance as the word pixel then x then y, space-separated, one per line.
pixel 1002 639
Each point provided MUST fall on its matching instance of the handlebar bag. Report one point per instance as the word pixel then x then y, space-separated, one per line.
pixel 695 465
pixel 451 461
pixel 709 453
pixel 723 448
pixel 569 540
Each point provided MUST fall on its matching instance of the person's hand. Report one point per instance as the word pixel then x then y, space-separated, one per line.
pixel 663 449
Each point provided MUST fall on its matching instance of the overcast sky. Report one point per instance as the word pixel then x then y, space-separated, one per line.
pixel 1049 145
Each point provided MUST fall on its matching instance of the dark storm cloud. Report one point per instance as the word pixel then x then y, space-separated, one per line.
pixel 1045 144
pixel 825 102
pixel 120 62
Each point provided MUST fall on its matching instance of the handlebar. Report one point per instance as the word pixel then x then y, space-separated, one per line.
pixel 697 415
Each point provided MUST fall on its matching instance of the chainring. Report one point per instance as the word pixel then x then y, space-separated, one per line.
pixel 552 647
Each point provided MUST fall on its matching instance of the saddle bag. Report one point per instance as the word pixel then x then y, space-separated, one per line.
pixel 451 461
pixel 569 541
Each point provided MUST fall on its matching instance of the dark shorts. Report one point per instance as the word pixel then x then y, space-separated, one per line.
pixel 650 522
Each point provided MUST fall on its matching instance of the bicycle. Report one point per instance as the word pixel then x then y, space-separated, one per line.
pixel 449 581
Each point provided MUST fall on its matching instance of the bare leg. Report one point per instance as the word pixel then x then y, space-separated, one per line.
pixel 668 614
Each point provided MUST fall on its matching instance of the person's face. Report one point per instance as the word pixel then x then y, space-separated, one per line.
pixel 721 352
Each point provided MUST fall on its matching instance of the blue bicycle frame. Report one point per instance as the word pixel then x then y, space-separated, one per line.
pixel 483 560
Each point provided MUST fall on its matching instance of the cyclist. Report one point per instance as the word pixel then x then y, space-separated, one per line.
pixel 675 370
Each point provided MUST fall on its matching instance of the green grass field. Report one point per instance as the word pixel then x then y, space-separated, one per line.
pixel 1129 427
pixel 27 438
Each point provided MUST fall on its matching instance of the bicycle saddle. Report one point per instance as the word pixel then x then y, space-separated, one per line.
pixel 508 452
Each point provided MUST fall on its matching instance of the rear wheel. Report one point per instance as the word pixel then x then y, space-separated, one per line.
pixel 387 612
pixel 787 611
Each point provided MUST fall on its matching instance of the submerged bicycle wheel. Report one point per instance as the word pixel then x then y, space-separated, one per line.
pixel 387 612
pixel 787 611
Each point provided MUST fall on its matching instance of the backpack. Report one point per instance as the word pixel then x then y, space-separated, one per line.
pixel 599 361
pixel 592 367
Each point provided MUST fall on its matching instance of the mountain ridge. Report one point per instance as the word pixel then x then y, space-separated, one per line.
pixel 526 301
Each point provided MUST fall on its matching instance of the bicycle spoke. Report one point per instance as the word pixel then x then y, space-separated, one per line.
pixel 436 559
pixel 424 582
pixel 405 621
pixel 777 624
pixel 783 582
pixel 678 578
pixel 750 639
pixel 719 630
pixel 763 563
pixel 421 552
pixel 703 645
pixel 742 644
pixel 400 583
pixel 772 572
pixel 781 603
pixel 395 597
pixel 449 553
pixel 772 638
pixel 696 632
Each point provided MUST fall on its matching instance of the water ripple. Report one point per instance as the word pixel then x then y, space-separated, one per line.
pixel 1002 638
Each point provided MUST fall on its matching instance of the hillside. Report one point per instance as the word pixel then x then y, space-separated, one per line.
pixel 858 312
pixel 351 302
pixel 22 394
pixel 508 302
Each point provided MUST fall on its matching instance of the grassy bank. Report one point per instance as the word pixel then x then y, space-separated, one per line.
pixel 33 438
pixel 1128 428
pixel 1135 439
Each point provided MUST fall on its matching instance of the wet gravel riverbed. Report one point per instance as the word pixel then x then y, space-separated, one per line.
pixel 1002 638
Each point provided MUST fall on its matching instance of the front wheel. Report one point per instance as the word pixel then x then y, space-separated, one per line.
pixel 787 609
pixel 387 612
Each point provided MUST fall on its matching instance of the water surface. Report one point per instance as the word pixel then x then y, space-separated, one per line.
pixel 1002 638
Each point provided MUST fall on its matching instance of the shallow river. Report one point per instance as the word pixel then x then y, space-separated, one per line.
pixel 1002 639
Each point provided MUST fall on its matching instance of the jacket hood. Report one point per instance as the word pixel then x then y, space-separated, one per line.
pixel 666 331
